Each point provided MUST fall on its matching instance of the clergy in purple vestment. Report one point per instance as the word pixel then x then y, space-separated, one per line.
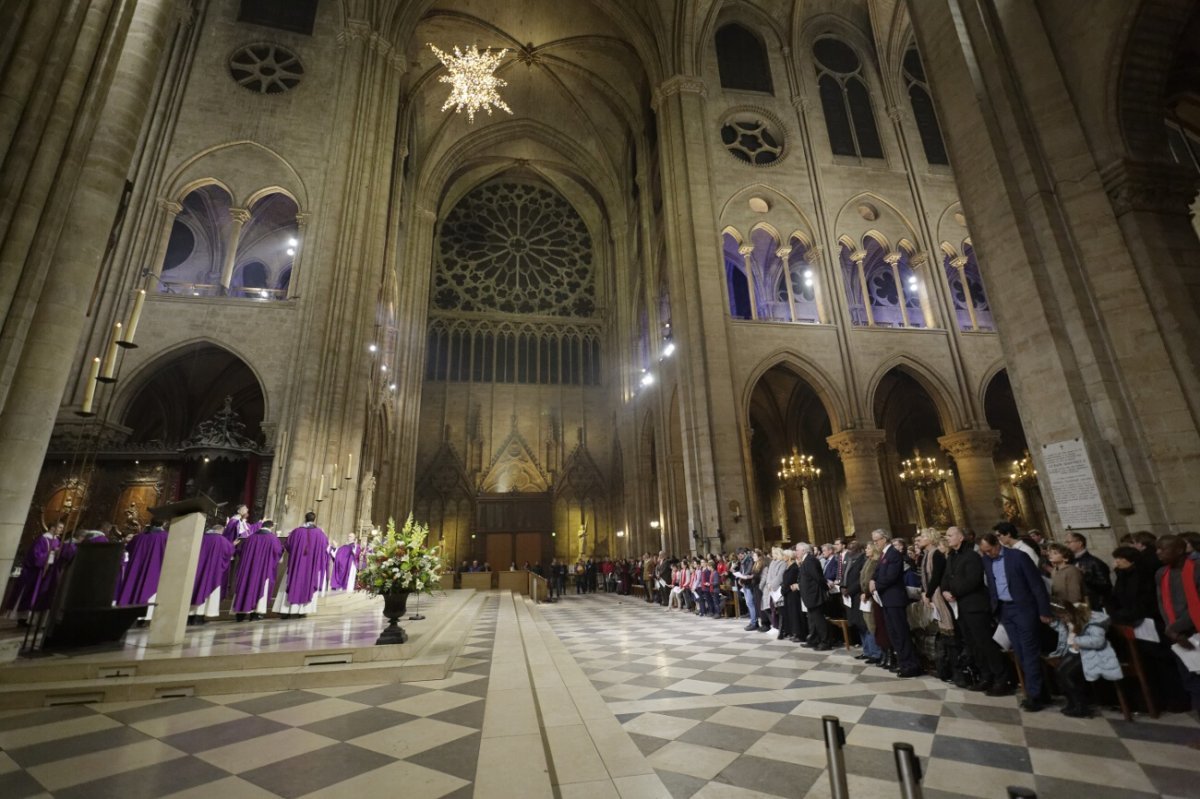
pixel 34 586
pixel 216 553
pixel 307 548
pixel 258 562
pixel 345 566
pixel 237 528
pixel 145 551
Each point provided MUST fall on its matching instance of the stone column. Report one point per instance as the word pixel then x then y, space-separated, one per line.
pixel 973 452
pixel 302 220
pixel 46 360
pixel 960 264
pixel 859 451
pixel 783 253
pixel 920 264
pixel 893 260
pixel 171 211
pixel 859 256
pixel 747 252
pixel 813 257
pixel 239 216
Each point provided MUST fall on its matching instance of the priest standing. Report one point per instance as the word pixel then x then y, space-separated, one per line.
pixel 145 552
pixel 307 548
pixel 216 553
pixel 237 527
pixel 345 566
pixel 258 563
pixel 34 586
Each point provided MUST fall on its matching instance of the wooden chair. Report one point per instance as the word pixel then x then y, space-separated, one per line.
pixel 844 626
pixel 1125 644
pixel 638 591
pixel 732 606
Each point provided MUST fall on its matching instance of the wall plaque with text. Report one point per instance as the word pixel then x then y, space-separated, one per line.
pixel 1073 484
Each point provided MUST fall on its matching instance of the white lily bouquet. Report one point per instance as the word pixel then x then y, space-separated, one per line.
pixel 400 561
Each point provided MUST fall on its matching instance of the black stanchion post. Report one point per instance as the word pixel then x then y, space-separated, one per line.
pixel 908 770
pixel 835 739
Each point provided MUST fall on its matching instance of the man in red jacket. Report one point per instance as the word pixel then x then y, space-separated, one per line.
pixel 1178 585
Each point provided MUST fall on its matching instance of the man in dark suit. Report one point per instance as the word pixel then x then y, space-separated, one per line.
pixel 888 582
pixel 812 594
pixel 1097 580
pixel 963 584
pixel 1019 595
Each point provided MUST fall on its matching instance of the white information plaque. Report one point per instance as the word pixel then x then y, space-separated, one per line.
pixel 1073 484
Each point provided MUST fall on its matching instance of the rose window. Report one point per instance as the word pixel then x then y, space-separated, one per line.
pixel 266 68
pixel 514 248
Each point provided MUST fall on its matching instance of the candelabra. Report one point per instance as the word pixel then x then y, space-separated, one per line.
pixel 1023 475
pixel 920 473
pixel 797 470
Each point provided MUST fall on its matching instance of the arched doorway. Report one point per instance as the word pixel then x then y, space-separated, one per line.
pixel 909 417
pixel 1020 492
pixel 785 413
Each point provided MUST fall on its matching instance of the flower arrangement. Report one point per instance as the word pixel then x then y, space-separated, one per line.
pixel 400 561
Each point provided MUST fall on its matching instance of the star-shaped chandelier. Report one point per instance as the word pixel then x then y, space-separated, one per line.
pixel 472 80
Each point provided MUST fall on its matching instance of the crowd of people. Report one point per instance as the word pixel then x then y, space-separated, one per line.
pixel 987 613
pixel 238 561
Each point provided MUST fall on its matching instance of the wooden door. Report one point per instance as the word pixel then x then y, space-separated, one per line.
pixel 529 548
pixel 500 551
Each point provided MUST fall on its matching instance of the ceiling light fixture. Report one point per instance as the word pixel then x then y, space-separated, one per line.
pixel 473 84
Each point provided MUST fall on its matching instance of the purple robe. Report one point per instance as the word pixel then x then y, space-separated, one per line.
pixel 258 562
pixel 308 557
pixel 145 564
pixel 234 529
pixel 35 586
pixel 216 553
pixel 347 555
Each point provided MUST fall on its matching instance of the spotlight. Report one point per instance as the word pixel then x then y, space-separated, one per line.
pixel 647 379
pixel 808 274
pixel 372 348
pixel 392 387
pixel 293 242
pixel 291 250
pixel 669 350
pixel 383 367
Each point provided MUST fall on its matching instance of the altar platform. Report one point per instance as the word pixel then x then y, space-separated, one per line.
pixel 334 647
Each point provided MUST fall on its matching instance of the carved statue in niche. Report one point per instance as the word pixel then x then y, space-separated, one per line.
pixel 366 499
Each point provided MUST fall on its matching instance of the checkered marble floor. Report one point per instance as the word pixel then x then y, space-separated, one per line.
pixel 420 740
pixel 720 712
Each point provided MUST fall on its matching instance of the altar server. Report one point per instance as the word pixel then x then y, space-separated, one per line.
pixel 145 552
pixel 307 550
pixel 216 553
pixel 345 566
pixel 258 563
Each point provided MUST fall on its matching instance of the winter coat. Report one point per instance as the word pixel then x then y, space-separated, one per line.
pixel 1095 652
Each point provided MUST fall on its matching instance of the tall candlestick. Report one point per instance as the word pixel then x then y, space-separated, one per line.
pixel 89 391
pixel 321 489
pixel 110 359
pixel 135 316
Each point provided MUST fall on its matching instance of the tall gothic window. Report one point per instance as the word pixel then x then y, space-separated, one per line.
pixel 742 59
pixel 845 100
pixel 922 108
pixel 971 308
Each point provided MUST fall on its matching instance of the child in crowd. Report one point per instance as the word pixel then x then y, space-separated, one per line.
pixel 1084 654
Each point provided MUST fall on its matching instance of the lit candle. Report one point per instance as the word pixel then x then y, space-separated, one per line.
pixel 349 464
pixel 335 471
pixel 89 391
pixel 321 490
pixel 135 316
pixel 110 359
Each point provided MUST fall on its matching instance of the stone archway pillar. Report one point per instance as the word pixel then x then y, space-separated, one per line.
pixel 974 455
pixel 42 368
pixel 859 451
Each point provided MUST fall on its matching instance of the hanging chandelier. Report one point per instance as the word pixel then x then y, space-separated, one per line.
pixel 797 470
pixel 472 80
pixel 1023 475
pixel 918 472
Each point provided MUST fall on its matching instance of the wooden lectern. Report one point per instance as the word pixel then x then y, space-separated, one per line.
pixel 188 519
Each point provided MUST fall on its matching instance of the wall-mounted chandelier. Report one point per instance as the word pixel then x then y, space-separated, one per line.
pixel 472 80
pixel 918 472
pixel 797 470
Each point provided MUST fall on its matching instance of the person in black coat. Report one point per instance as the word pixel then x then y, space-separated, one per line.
pixel 852 587
pixel 790 585
pixel 962 583
pixel 888 582
pixel 813 591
